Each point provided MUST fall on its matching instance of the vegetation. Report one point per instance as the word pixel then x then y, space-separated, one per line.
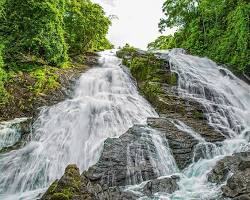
pixel 148 70
pixel 213 28
pixel 40 37
pixel 86 26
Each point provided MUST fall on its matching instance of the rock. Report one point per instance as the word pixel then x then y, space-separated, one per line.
pixel 120 193
pixel 166 185
pixel 181 143
pixel 24 127
pixel 125 160
pixel 128 160
pixel 236 168
pixel 243 197
pixel 70 186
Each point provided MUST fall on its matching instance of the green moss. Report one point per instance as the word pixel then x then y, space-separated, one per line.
pixel 151 90
pixel 171 79
pixel 198 115
pixel 59 196
pixel 52 188
pixel 3 77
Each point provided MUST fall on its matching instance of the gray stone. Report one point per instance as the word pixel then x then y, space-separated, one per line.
pixel 235 169
pixel 166 185
pixel 125 160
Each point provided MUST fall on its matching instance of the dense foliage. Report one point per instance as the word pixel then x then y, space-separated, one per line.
pixel 213 28
pixel 37 35
pixel 86 26
pixel 34 29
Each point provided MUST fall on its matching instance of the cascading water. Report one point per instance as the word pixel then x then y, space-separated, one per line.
pixel 9 132
pixel 105 104
pixel 226 100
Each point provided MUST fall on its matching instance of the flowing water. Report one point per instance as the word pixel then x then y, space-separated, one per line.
pixel 105 104
pixel 226 100
pixel 10 133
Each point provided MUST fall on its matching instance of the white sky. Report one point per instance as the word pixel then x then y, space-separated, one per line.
pixel 137 22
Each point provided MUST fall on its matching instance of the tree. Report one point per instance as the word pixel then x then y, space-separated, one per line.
pixel 34 28
pixel 162 42
pixel 86 26
pixel 213 28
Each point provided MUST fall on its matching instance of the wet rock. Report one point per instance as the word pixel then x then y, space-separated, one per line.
pixel 125 160
pixel 70 186
pixel 235 170
pixel 128 160
pixel 181 143
pixel 120 193
pixel 166 185
pixel 205 150
pixel 24 128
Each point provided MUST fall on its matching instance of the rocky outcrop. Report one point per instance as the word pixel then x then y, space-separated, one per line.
pixel 181 143
pixel 235 170
pixel 70 186
pixel 158 84
pixel 128 160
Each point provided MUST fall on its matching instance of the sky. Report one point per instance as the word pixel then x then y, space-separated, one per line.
pixel 137 22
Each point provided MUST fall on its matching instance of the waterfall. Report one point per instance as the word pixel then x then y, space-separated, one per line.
pixel 226 100
pixel 160 156
pixel 105 104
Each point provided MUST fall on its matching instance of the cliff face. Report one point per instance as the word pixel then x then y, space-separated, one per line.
pixel 129 160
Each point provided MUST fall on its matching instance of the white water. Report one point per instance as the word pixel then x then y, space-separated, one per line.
pixel 105 104
pixel 9 132
pixel 226 100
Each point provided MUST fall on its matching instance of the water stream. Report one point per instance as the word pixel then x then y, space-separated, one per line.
pixel 226 100
pixel 105 104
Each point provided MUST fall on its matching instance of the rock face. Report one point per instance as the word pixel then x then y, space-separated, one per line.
pixel 165 185
pixel 235 170
pixel 70 186
pixel 24 128
pixel 127 160
pixel 158 84
pixel 181 143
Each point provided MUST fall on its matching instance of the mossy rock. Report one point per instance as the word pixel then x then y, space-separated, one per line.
pixel 59 196
pixel 198 115
pixel 171 79
pixel 67 187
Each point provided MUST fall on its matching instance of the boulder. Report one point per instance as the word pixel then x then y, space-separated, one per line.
pixel 235 170
pixel 125 160
pixel 164 185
